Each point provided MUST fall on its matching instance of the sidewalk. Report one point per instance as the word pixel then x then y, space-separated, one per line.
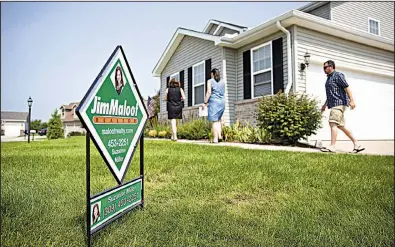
pixel 371 147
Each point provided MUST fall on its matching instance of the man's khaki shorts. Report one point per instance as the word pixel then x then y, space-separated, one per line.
pixel 337 115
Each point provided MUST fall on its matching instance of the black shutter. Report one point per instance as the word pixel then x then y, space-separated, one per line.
pixel 247 74
pixel 182 79
pixel 208 72
pixel 190 86
pixel 167 81
pixel 278 79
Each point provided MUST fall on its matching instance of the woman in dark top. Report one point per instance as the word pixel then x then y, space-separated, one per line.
pixel 174 97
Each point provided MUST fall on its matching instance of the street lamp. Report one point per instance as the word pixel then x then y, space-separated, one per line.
pixel 29 103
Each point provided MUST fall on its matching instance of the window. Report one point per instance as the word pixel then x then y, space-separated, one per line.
pixel 198 79
pixel 176 76
pixel 374 26
pixel 261 64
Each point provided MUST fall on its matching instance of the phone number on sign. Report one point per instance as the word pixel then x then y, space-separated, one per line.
pixel 121 203
pixel 113 143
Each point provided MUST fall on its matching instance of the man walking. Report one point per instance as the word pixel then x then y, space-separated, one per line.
pixel 338 98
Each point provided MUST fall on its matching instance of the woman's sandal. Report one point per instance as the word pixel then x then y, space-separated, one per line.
pixel 357 150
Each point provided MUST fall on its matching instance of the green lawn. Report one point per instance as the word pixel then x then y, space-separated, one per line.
pixel 200 196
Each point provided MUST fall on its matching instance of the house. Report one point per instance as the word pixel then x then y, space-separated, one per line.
pixel 70 120
pixel 13 123
pixel 259 61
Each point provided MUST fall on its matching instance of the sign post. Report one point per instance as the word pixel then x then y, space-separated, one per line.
pixel 114 116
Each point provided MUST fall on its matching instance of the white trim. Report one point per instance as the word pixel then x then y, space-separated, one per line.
pixel 330 11
pixel 289 57
pixel 197 85
pixel 177 73
pixel 208 27
pixel 174 75
pixel 223 25
pixel 294 58
pixel 13 120
pixel 378 25
pixel 90 97
pixel 261 71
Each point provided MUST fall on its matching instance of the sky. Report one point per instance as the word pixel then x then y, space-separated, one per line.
pixel 53 51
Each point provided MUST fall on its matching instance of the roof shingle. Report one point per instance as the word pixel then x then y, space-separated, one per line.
pixel 11 115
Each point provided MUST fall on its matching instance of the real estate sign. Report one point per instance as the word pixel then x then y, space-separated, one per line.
pixel 110 205
pixel 114 113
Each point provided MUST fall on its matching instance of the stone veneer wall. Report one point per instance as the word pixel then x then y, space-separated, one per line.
pixel 246 110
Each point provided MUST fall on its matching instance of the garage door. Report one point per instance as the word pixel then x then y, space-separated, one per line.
pixel 12 129
pixel 373 117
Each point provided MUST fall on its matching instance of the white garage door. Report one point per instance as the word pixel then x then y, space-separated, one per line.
pixel 12 129
pixel 373 117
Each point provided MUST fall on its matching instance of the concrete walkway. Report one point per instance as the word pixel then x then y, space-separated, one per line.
pixel 371 147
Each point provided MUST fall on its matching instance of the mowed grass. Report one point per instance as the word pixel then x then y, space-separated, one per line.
pixel 200 196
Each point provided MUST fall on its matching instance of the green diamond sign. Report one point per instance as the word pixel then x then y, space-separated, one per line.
pixel 114 113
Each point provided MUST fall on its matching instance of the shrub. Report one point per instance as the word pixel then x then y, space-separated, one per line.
pixel 152 133
pixel 76 133
pixel 194 130
pixel 245 134
pixel 163 134
pixel 288 119
pixel 156 129
pixel 162 128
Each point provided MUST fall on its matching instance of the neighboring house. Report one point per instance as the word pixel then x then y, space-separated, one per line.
pixel 358 36
pixel 13 123
pixel 70 120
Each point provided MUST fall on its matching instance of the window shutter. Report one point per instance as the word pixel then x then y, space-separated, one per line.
pixel 208 72
pixel 167 81
pixel 182 79
pixel 190 86
pixel 278 78
pixel 247 74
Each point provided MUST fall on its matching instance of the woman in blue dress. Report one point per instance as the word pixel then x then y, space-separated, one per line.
pixel 215 100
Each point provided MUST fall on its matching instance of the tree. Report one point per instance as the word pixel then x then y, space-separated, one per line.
pixel 44 125
pixel 35 125
pixel 55 128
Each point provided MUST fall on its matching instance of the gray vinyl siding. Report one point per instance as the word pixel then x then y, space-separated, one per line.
pixel 324 47
pixel 324 11
pixel 190 52
pixel 227 30
pixel 240 94
pixel 356 14
pixel 231 84
pixel 212 29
